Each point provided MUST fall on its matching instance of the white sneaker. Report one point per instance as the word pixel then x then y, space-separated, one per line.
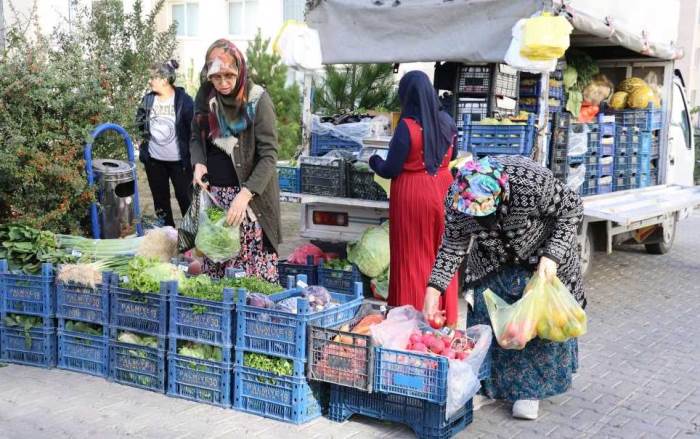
pixel 526 409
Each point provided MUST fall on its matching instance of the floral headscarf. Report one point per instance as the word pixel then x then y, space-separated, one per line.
pixel 479 187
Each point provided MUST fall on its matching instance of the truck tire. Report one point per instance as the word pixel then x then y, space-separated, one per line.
pixel 586 252
pixel 669 235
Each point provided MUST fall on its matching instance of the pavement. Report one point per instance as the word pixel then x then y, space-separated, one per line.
pixel 639 376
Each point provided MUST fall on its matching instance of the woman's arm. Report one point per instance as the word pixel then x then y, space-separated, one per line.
pixel 399 148
pixel 266 146
pixel 198 146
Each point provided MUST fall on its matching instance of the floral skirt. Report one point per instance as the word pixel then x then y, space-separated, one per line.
pixel 255 258
pixel 543 369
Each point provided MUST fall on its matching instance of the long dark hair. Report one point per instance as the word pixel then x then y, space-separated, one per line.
pixel 167 70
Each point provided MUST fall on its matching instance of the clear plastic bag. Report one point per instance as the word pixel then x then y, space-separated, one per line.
pixel 577 176
pixel 354 132
pixel 463 375
pixel 562 318
pixel 395 331
pixel 216 239
pixel 515 325
pixel 578 141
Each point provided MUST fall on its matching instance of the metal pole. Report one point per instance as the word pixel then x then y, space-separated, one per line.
pixel 306 112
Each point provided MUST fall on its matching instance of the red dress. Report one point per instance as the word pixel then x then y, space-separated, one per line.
pixel 416 225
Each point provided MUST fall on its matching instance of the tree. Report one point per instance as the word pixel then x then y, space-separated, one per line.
pixel 356 86
pixel 266 69
pixel 54 89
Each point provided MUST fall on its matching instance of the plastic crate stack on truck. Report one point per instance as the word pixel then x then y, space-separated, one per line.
pixel 612 120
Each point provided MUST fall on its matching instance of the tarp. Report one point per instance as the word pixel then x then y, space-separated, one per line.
pixel 374 31
pixel 400 31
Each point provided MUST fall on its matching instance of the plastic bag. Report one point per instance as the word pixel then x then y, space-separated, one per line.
pixel 577 176
pixel 515 325
pixel 395 331
pixel 299 46
pixel 578 141
pixel 545 37
pixel 354 132
pixel 562 317
pixel 189 225
pixel 463 375
pixel 515 60
pixel 216 239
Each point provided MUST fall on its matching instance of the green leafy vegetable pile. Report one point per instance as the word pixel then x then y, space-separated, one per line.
pixel 26 323
pixel 148 341
pixel 146 274
pixel 276 366
pixel 26 248
pixel 338 264
pixel 216 239
pixel 200 351
pixel 579 72
pixel 205 288
pixel 84 328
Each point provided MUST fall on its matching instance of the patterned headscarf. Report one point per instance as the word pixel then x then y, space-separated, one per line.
pixel 227 114
pixel 479 187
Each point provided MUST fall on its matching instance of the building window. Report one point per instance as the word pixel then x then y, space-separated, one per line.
pixel 294 10
pixel 242 17
pixel 186 16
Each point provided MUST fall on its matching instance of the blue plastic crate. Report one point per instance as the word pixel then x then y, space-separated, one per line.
pixel 645 180
pixel 427 420
pixel 339 281
pixel 33 347
pixel 139 312
pixel 324 143
pixel 535 90
pixel 416 375
pixel 137 366
pixel 650 119
pixel 77 302
pixel 286 269
pixel 83 353
pixel 283 398
pixel 289 179
pixel 28 293
pixel 498 139
pixel 200 380
pixel 203 321
pixel 283 334
pixel 644 165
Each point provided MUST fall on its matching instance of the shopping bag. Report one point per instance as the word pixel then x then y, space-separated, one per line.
pixel 545 37
pixel 514 325
pixel 562 317
pixel 187 231
pixel 463 375
pixel 216 239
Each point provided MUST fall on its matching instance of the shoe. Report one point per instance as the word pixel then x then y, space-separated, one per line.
pixel 526 409
pixel 480 401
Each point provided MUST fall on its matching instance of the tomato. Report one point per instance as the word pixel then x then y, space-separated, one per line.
pixel 437 322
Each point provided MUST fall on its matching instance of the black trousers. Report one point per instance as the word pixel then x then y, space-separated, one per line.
pixel 160 174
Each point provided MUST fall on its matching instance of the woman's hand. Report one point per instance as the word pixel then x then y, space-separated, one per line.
pixel 239 205
pixel 431 304
pixel 547 269
pixel 199 171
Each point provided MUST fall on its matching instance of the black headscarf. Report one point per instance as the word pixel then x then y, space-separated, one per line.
pixel 419 101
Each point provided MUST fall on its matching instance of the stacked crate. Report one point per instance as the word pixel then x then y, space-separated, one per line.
pixel 202 322
pixel 281 336
pixel 83 327
pixel 483 90
pixel 638 134
pixel 27 317
pixel 531 89
pixel 146 315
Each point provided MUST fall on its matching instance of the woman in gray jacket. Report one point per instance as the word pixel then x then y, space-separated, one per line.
pixel 234 154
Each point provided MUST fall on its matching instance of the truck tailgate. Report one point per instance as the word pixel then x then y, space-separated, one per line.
pixel 628 207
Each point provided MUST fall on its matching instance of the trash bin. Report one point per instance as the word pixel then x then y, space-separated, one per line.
pixel 115 189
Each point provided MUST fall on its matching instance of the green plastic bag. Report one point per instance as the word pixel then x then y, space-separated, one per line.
pixel 216 239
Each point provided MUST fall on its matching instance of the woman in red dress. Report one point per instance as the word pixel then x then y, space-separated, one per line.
pixel 418 165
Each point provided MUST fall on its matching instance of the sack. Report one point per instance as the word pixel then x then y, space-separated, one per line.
pixel 463 375
pixel 545 37
pixel 190 223
pixel 562 317
pixel 216 239
pixel 516 324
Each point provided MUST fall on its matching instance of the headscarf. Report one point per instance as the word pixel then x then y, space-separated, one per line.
pixel 479 187
pixel 419 101
pixel 227 114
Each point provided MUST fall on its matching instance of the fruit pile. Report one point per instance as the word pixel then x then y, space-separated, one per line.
pixel 455 345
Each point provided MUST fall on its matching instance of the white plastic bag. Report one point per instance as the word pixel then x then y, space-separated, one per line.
pixel 578 140
pixel 395 331
pixel 299 46
pixel 514 59
pixel 354 132
pixel 577 176
pixel 463 375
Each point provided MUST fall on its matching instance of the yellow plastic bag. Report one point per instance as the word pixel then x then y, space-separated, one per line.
pixel 545 37
pixel 515 325
pixel 562 317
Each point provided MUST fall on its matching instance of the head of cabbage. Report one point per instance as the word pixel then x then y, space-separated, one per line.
pixel 371 252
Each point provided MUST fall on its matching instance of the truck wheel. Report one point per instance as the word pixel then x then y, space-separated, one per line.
pixel 669 235
pixel 586 252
